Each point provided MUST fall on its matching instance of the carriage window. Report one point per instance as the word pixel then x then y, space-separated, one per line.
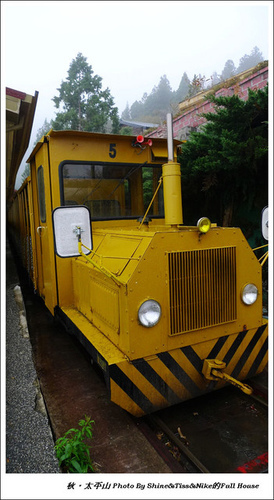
pixel 41 193
pixel 111 191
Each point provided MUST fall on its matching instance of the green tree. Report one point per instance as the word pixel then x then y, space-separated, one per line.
pixel 40 132
pixel 196 85
pixel 154 106
pixel 43 130
pixel 215 79
pixel 25 173
pixel 248 61
pixel 126 113
pixel 229 70
pixel 157 104
pixel 136 110
pixel 182 90
pixel 85 106
pixel 225 166
pixel 126 131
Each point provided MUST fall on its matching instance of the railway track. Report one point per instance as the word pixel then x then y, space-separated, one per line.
pixel 217 433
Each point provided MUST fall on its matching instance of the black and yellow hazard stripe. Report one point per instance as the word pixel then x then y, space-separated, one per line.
pixel 144 386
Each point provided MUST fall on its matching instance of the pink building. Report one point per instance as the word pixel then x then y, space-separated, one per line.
pixel 191 109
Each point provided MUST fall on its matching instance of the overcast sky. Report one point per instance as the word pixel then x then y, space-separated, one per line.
pixel 129 44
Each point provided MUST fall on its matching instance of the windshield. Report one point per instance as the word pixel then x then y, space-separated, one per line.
pixel 112 191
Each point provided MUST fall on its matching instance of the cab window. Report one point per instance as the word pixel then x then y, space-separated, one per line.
pixel 111 191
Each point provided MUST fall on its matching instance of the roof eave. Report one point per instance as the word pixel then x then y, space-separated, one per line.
pixel 20 109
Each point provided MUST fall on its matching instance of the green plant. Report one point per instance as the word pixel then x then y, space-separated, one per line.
pixel 72 452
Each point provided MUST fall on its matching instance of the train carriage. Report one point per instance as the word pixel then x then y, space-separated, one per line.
pixel 168 311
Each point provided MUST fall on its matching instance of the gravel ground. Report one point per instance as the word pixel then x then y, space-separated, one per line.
pixel 29 441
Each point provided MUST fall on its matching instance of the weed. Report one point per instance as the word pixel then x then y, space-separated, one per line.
pixel 72 452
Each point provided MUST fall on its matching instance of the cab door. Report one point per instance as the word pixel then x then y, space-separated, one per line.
pixel 46 269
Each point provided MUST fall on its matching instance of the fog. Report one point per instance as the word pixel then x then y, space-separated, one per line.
pixel 130 45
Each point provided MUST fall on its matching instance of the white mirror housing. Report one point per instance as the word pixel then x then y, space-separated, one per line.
pixel 68 221
pixel 265 223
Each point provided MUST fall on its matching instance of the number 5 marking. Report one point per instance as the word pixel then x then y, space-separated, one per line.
pixel 112 150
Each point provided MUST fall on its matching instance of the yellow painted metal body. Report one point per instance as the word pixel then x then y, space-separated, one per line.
pixel 172 193
pixel 76 147
pixel 196 278
pixel 132 256
pixel 21 226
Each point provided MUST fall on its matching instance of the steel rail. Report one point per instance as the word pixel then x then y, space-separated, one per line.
pixel 183 448
pixel 259 400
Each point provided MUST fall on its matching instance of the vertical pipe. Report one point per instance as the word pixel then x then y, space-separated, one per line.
pixel 172 182
pixel 170 137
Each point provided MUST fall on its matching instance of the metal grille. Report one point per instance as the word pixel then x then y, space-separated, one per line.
pixel 202 288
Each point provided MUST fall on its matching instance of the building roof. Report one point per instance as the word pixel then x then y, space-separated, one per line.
pixel 138 124
pixel 20 109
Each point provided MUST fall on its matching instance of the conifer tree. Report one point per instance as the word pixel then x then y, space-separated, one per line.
pixel 126 113
pixel 84 105
pixel 229 70
pixel 196 85
pixel 248 61
pixel 225 166
pixel 43 130
pixel 182 90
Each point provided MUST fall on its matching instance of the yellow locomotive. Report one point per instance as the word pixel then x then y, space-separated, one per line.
pixel 168 311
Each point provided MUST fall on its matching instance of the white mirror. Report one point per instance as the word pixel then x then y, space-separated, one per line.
pixel 67 222
pixel 265 223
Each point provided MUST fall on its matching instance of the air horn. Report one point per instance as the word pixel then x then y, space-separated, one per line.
pixel 140 140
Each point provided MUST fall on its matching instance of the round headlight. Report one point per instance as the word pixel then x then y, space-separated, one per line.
pixel 249 294
pixel 149 313
pixel 204 225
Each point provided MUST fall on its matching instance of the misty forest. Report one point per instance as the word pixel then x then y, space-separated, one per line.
pixel 153 107
pixel 224 165
pixel 82 104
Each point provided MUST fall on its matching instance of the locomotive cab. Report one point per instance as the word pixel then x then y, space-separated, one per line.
pixel 154 302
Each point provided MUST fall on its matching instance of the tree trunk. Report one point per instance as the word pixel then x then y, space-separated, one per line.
pixel 79 115
pixel 228 213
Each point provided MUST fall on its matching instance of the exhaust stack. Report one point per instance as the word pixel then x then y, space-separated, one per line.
pixel 172 182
